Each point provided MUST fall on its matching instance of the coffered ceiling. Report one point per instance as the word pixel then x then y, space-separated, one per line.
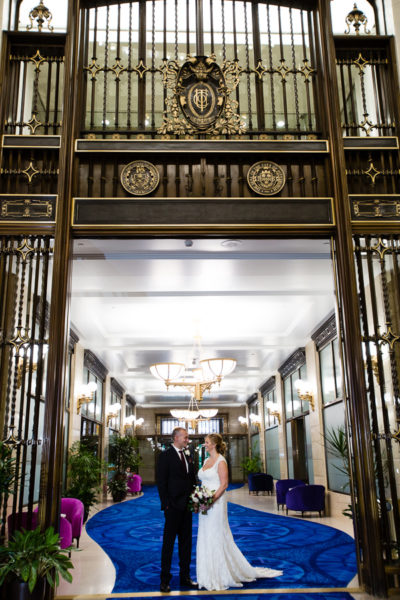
pixel 137 302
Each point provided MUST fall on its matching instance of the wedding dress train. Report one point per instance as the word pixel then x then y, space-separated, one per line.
pixel 219 562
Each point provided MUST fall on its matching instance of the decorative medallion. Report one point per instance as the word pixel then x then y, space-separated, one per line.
pixel 140 178
pixel 266 178
pixel 201 91
pixel 198 97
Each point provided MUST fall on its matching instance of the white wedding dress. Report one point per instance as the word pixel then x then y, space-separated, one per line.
pixel 220 564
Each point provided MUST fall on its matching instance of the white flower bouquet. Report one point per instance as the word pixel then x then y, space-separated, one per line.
pixel 201 499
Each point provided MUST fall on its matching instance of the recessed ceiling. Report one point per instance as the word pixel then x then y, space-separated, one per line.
pixel 137 302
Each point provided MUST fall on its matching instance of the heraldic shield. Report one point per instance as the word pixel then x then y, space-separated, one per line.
pixel 201 91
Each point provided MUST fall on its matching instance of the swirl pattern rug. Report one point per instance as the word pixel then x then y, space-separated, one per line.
pixel 309 554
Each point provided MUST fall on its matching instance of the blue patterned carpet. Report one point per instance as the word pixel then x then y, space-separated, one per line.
pixel 311 555
pixel 250 596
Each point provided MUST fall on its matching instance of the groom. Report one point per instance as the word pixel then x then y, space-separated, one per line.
pixel 175 481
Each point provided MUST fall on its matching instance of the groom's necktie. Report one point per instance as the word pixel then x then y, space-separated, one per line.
pixel 183 459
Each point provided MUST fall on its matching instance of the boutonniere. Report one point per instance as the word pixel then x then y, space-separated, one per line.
pixel 187 452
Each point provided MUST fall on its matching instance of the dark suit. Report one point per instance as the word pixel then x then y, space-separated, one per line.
pixel 175 485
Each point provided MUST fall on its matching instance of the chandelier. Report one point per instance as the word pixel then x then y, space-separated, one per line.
pixel 197 379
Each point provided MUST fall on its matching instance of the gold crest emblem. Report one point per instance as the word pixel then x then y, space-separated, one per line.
pixel 140 178
pixel 266 178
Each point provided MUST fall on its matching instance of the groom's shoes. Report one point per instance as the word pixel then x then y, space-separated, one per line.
pixel 164 588
pixel 189 584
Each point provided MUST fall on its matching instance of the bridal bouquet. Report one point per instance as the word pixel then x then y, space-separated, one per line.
pixel 201 499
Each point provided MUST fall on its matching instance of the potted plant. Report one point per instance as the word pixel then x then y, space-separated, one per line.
pixel 84 475
pixel 337 446
pixel 7 476
pixel 122 454
pixel 251 464
pixel 30 559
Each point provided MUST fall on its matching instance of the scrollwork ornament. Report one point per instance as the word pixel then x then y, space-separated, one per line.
pixel 41 14
pixel 198 99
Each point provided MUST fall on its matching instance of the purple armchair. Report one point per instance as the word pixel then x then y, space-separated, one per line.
pixel 306 498
pixel 65 531
pixel 20 520
pixel 260 482
pixel 73 509
pixel 282 486
pixel 134 483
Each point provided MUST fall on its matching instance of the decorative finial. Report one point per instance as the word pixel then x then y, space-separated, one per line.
pixel 42 14
pixel 356 17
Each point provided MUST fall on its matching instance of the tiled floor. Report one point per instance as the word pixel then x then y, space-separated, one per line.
pixel 94 572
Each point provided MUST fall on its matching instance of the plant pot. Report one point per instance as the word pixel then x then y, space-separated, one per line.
pixel 19 590
pixel 119 496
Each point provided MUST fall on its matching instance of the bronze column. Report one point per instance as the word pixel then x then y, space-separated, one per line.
pixel 368 531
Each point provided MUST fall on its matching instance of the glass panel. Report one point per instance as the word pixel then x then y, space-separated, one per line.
pixel 237 450
pixel 272 452
pixel 255 444
pixel 298 404
pixel 336 458
pixel 288 397
pixel 310 466
pixel 338 369
pixel 327 375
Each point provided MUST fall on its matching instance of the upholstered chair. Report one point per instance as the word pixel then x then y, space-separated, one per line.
pixel 65 531
pixel 282 486
pixel 306 498
pixel 20 521
pixel 134 483
pixel 260 482
pixel 73 510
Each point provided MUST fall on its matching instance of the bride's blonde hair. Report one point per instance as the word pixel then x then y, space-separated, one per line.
pixel 216 439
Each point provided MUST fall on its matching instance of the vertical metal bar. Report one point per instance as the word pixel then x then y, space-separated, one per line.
pixel 142 56
pixel 176 31
pixel 246 33
pixel 344 99
pixel 129 99
pixel 354 130
pixel 294 70
pixel 21 118
pixel 199 28
pixel 105 72
pixel 48 93
pixel 212 25
pixel 94 58
pixel 223 30
pixel 56 98
pixel 153 65
pixel 188 28
pixel 283 80
pixel 371 388
pixel 307 82
pixel 271 70
pixel 117 59
pixel 255 7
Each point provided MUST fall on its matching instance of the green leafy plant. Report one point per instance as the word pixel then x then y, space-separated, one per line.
pixel 7 470
pixel 32 555
pixel 122 454
pixel 117 487
pixel 337 446
pixel 84 475
pixel 251 464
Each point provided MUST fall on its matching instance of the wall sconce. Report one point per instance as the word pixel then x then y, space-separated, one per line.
pixel 29 365
pixel 255 420
pixel 85 394
pixel 273 413
pixel 112 412
pixel 305 391
pixel 132 422
pixel 243 421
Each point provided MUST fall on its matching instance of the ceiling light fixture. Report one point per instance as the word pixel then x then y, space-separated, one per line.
pixel 197 379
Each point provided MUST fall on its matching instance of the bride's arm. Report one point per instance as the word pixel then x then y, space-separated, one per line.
pixel 223 478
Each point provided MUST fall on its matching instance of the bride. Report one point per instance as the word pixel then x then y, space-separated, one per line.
pixel 219 562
